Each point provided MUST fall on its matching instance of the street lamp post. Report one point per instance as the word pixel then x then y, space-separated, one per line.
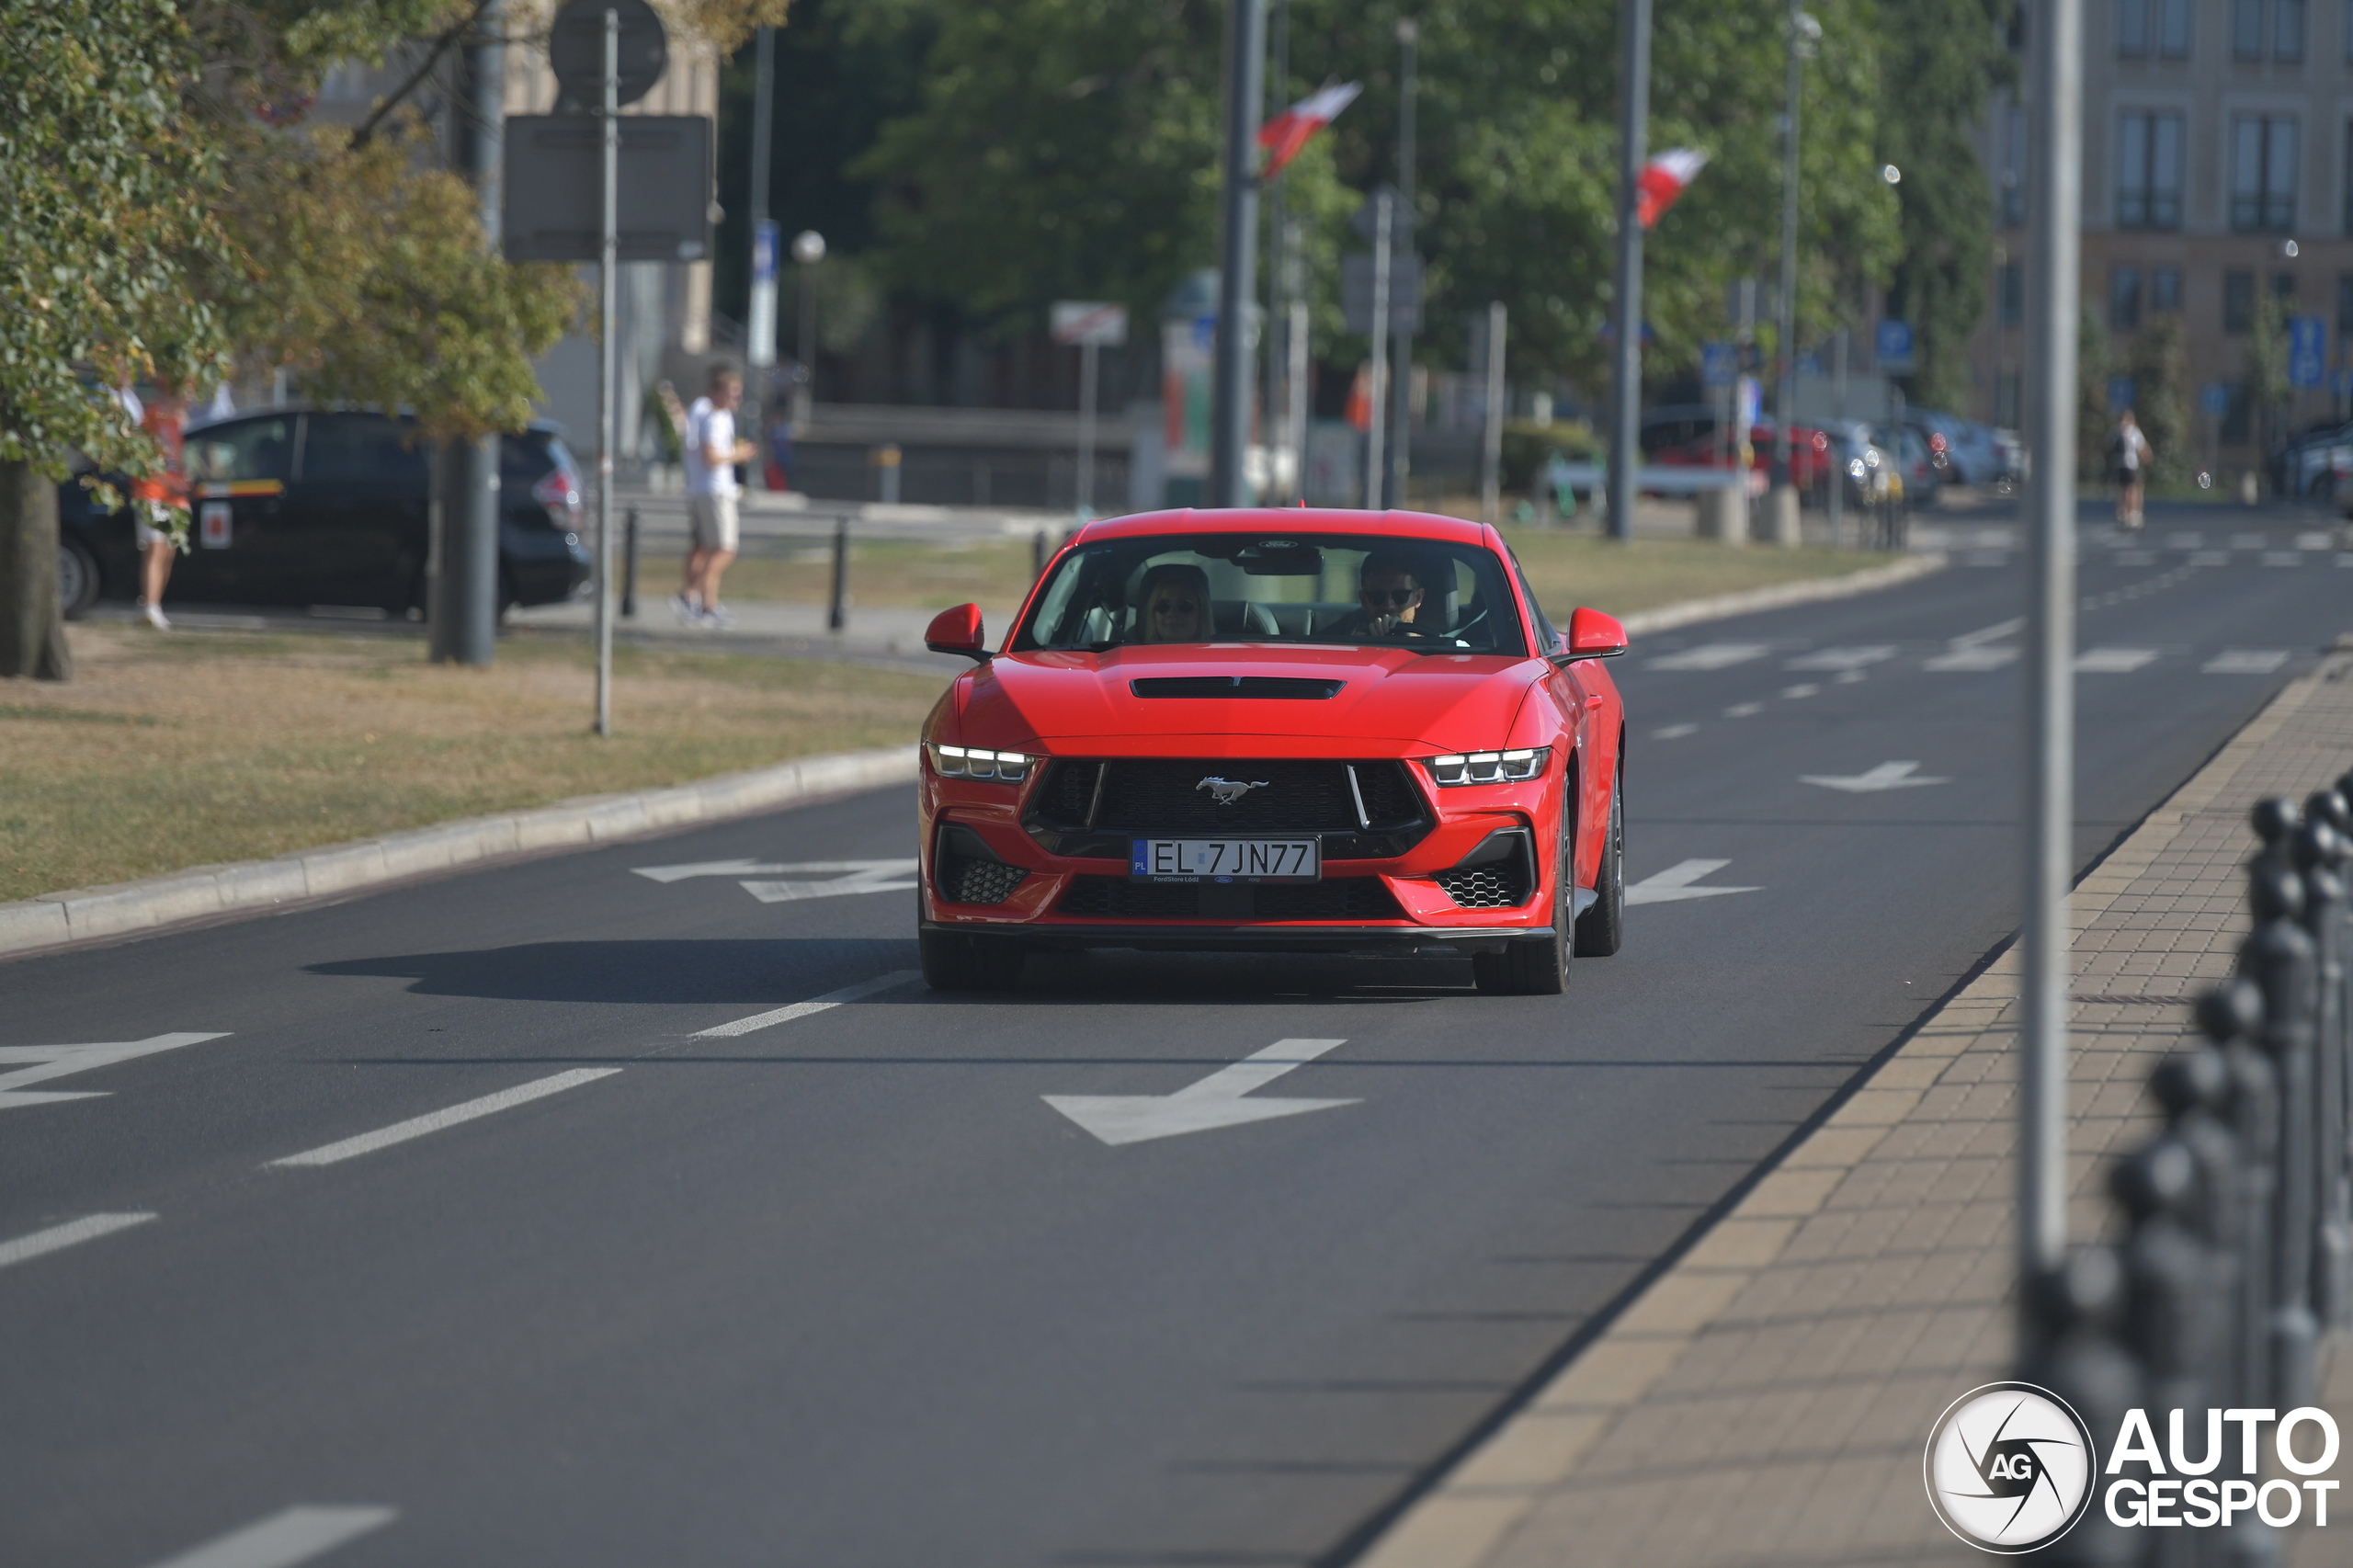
pixel 808 249
pixel 1401 380
pixel 1245 64
pixel 1783 506
pixel 1626 394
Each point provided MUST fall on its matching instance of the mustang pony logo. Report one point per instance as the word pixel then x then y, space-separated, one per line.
pixel 1226 792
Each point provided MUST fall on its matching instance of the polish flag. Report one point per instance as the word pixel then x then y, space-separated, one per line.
pixel 1287 133
pixel 1663 179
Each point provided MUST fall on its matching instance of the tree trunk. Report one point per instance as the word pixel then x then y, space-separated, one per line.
pixel 32 631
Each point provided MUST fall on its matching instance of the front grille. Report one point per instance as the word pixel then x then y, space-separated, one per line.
pixel 1337 898
pixel 1064 795
pixel 964 881
pixel 1170 796
pixel 1502 885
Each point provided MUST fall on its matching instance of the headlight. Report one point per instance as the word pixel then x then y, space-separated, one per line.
pixel 1489 766
pixel 978 762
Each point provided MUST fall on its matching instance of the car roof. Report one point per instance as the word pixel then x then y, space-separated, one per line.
pixel 1288 520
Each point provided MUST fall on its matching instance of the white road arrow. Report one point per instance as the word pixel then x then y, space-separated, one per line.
pixel 1215 1101
pixel 49 1061
pixel 1674 884
pixel 840 876
pixel 1886 776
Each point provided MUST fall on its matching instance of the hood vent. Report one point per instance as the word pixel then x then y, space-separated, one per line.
pixel 1282 687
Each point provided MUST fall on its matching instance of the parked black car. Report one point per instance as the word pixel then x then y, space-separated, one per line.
pixel 309 507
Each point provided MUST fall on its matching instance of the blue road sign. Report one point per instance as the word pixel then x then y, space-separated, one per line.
pixel 1810 365
pixel 1892 345
pixel 2307 351
pixel 2215 398
pixel 1718 363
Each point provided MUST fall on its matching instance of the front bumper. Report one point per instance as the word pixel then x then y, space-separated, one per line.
pixel 1200 937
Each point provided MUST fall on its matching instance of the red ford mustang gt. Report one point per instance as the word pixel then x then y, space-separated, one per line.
pixel 1276 730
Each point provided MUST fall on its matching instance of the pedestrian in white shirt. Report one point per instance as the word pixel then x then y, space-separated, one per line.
pixel 710 451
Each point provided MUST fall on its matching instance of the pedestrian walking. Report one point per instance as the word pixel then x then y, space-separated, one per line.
pixel 159 504
pixel 2128 454
pixel 710 451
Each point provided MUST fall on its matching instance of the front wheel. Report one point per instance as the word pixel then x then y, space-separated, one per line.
pixel 1601 929
pixel 77 580
pixel 955 961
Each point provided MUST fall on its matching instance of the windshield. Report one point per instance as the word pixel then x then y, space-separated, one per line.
pixel 1413 593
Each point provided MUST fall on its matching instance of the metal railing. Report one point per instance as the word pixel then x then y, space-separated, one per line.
pixel 2236 1249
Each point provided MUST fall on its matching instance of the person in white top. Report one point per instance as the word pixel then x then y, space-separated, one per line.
pixel 710 450
pixel 2130 451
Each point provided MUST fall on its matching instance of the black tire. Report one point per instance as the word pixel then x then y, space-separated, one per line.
pixel 1533 966
pixel 1601 929
pixel 954 962
pixel 77 580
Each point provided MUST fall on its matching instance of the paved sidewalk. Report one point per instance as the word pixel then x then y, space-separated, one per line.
pixel 1767 1400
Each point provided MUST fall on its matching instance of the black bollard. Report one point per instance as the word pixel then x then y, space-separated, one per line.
pixel 2320 854
pixel 2171 1324
pixel 2280 959
pixel 2071 1320
pixel 629 564
pixel 2232 1015
pixel 837 604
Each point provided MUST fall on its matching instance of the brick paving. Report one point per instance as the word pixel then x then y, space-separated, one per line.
pixel 1765 1401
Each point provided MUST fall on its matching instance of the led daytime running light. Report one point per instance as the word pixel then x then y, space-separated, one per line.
pixel 1489 766
pixel 979 762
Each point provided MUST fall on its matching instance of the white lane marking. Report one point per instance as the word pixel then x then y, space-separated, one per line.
pixel 1674 731
pixel 1993 634
pixel 88 1228
pixel 785 1015
pixel 2113 661
pixel 1803 688
pixel 295 1535
pixel 1972 659
pixel 1712 656
pixel 2245 661
pixel 1674 884
pixel 58 1061
pixel 1842 658
pixel 764 868
pixel 2283 558
pixel 451 1116
pixel 2316 541
pixel 1886 776
pixel 881 876
pixel 1215 1101
pixel 1848 677
pixel 1743 710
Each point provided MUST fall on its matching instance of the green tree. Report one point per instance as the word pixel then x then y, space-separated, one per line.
pixel 2267 370
pixel 2159 365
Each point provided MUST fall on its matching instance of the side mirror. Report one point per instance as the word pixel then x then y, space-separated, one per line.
pixel 957 630
pixel 1592 635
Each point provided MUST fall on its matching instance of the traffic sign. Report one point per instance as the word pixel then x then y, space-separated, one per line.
pixel 1089 321
pixel 1892 345
pixel 576 51
pixel 1718 363
pixel 2307 351
pixel 554 190
pixel 1405 292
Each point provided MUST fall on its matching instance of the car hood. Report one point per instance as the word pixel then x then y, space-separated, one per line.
pixel 1065 701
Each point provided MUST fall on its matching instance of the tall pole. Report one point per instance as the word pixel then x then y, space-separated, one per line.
pixel 1785 346
pixel 761 317
pixel 2053 308
pixel 1375 426
pixel 462 591
pixel 1295 375
pixel 1491 473
pixel 1237 290
pixel 1087 372
pixel 1276 403
pixel 607 284
pixel 1633 132
pixel 1837 447
pixel 1401 394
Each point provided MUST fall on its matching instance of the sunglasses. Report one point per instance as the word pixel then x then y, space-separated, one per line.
pixel 1398 596
pixel 1174 606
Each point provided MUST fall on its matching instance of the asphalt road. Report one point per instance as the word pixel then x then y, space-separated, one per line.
pixel 841 1288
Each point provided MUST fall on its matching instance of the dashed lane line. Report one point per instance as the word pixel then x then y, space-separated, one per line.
pixel 785 1015
pixel 88 1228
pixel 289 1537
pixel 451 1116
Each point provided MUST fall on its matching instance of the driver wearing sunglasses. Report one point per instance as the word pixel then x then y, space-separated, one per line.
pixel 1389 592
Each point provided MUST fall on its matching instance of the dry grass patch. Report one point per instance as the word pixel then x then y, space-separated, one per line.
pixel 182 750
pixel 893 574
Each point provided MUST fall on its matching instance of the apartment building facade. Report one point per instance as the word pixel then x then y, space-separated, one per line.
pixel 2218 161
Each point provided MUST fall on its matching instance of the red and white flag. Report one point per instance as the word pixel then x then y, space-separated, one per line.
pixel 1287 133
pixel 1663 179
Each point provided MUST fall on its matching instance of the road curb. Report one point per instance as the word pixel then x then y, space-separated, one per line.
pixel 1811 590
pixel 201 892
pixel 1491 1486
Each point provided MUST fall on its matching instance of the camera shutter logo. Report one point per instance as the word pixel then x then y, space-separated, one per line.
pixel 2010 1468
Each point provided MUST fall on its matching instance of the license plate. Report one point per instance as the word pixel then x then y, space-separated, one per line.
pixel 1227 859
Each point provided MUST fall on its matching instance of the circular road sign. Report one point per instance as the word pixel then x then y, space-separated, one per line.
pixel 576 49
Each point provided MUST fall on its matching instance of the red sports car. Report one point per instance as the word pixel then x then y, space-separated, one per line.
pixel 1270 730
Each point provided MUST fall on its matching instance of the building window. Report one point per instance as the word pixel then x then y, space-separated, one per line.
pixel 2132 29
pixel 2013 293
pixel 2287 31
pixel 2237 422
pixel 2148 171
pixel 2263 173
pixel 2283 288
pixel 2164 290
pixel 2124 299
pixel 2247 29
pixel 2345 301
pixel 2013 176
pixel 2238 301
pixel 2172 29
pixel 2006 400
